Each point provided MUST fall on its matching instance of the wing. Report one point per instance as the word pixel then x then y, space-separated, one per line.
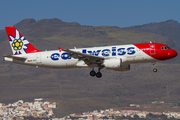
pixel 88 59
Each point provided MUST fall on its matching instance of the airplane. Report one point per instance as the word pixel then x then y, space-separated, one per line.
pixel 115 57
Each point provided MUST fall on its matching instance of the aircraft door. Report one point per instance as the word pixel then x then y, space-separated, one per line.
pixel 152 49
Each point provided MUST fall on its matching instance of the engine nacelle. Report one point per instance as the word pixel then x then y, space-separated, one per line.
pixel 116 64
pixel 112 63
pixel 125 67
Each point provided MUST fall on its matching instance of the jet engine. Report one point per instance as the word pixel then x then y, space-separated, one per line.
pixel 125 67
pixel 112 63
pixel 116 64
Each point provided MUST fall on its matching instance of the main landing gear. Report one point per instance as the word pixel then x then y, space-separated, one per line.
pixel 98 74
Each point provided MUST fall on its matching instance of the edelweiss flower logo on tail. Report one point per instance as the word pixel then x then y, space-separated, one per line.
pixel 18 44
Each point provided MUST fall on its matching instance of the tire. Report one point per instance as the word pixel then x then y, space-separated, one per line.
pixel 92 73
pixel 154 70
pixel 98 75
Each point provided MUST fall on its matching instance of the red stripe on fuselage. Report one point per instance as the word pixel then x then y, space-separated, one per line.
pixel 155 51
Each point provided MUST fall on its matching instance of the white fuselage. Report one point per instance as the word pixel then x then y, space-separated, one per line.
pixel 116 57
pixel 60 59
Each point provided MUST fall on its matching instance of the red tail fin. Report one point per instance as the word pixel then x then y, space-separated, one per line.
pixel 18 42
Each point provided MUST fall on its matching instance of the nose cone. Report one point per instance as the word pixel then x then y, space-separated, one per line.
pixel 167 54
pixel 172 54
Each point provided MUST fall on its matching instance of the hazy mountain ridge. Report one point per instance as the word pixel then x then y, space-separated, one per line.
pixel 169 28
pixel 81 92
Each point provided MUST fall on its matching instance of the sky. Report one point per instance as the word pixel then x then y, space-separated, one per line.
pixel 122 13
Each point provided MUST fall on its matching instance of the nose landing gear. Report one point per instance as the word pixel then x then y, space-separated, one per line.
pixel 154 69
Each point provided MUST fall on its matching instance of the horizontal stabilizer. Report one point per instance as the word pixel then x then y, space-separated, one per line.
pixel 15 57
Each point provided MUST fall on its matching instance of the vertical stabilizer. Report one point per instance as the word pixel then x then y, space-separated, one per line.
pixel 18 42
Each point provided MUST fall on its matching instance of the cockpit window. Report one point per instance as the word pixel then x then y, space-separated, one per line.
pixel 164 48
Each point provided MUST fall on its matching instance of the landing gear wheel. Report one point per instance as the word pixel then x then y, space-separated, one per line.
pixel 155 70
pixel 93 73
pixel 98 75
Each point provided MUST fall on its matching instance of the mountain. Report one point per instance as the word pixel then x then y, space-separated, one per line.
pixel 169 29
pixel 75 90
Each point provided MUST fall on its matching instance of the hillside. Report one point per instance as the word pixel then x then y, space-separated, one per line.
pixel 169 29
pixel 74 90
